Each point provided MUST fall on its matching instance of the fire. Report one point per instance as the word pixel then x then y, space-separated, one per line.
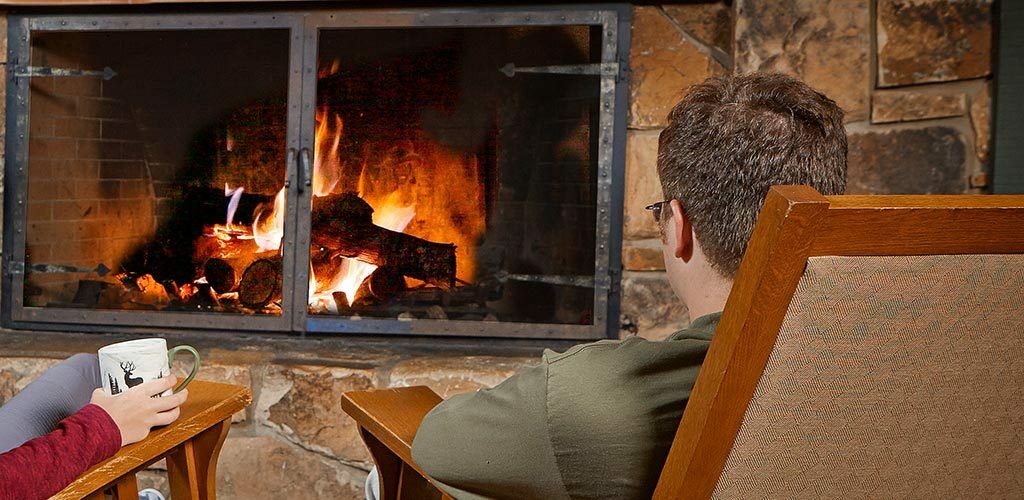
pixel 327 162
pixel 414 185
pixel 390 213
pixel 268 227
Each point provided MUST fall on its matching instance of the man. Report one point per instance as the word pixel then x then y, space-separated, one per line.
pixel 597 421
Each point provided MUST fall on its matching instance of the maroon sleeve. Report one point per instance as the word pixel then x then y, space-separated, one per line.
pixel 45 465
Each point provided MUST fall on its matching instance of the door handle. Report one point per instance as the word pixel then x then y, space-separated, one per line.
pixel 305 169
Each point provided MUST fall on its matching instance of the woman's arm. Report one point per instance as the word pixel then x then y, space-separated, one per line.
pixel 45 465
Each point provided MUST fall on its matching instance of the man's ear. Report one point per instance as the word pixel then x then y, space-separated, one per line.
pixel 683 232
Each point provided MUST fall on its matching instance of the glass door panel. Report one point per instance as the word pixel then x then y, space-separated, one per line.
pixel 455 176
pixel 157 166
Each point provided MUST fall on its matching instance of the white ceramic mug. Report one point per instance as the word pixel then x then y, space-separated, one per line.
pixel 127 364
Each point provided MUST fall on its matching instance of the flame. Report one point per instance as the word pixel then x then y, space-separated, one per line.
pixel 327 162
pixel 329 70
pixel 268 228
pixel 235 195
pixel 389 212
pixel 414 185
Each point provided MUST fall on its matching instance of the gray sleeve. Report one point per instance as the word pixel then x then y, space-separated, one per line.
pixel 493 443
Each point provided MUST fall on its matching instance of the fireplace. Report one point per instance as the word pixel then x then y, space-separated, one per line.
pixel 393 171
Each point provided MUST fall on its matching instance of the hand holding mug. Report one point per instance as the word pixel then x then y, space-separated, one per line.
pixel 139 409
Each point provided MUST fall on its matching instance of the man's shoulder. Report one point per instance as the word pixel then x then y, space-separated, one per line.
pixel 582 351
pixel 694 338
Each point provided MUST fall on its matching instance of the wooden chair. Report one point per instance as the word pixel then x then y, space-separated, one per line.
pixel 191 446
pixel 872 346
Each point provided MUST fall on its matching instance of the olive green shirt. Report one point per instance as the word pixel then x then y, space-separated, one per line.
pixel 593 422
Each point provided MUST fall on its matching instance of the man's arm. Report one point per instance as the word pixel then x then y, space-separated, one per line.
pixel 493 443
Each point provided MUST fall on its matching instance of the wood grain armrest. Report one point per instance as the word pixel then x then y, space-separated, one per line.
pixel 209 404
pixel 391 415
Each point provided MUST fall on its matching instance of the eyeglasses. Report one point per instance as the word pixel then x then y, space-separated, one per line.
pixel 657 208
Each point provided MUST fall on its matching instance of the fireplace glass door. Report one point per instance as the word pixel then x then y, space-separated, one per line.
pixel 156 167
pixel 455 175
pixel 403 172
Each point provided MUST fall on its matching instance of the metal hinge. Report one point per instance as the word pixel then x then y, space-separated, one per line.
pixel 604 69
pixel 554 279
pixel 19 268
pixel 30 71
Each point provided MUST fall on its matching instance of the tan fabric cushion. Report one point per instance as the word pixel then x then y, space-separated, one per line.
pixel 892 377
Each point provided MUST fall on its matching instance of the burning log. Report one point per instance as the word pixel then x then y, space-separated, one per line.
pixel 341 302
pixel 220 274
pixel 204 298
pixel 260 283
pixel 325 265
pixel 386 282
pixel 224 273
pixel 225 246
pixel 383 284
pixel 343 223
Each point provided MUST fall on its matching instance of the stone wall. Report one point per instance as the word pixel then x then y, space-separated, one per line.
pixel 913 76
pixel 914 79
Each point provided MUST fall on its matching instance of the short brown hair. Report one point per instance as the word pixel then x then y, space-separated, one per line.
pixel 732 138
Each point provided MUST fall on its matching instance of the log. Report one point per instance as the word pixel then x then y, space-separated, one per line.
pixel 343 223
pixel 204 299
pixel 380 286
pixel 220 275
pixel 325 265
pixel 209 245
pixel 224 273
pixel 341 301
pixel 385 283
pixel 260 283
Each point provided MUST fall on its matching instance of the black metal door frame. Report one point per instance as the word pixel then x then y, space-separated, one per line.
pixel 613 20
pixel 20 29
pixel 304 30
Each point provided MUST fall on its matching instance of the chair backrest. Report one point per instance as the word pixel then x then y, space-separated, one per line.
pixel 872 346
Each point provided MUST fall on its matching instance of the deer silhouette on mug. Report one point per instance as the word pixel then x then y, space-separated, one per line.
pixel 128 367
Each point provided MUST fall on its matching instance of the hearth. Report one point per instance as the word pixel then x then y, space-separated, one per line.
pixel 426 171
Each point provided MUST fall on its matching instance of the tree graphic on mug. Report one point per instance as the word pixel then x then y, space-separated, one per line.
pixel 128 367
pixel 114 389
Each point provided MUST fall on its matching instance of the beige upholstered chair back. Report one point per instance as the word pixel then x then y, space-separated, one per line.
pixel 871 347
pixel 891 377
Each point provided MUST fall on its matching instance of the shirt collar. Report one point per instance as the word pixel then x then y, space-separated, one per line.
pixel 702 328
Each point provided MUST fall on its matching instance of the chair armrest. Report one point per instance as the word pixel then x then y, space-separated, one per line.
pixel 391 415
pixel 208 404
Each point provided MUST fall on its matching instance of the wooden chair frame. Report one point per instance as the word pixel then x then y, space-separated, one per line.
pixel 191 446
pixel 796 223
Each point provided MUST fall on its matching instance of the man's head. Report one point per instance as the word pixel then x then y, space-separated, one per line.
pixel 727 142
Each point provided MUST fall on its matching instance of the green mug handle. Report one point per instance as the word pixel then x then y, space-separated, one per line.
pixel 195 367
